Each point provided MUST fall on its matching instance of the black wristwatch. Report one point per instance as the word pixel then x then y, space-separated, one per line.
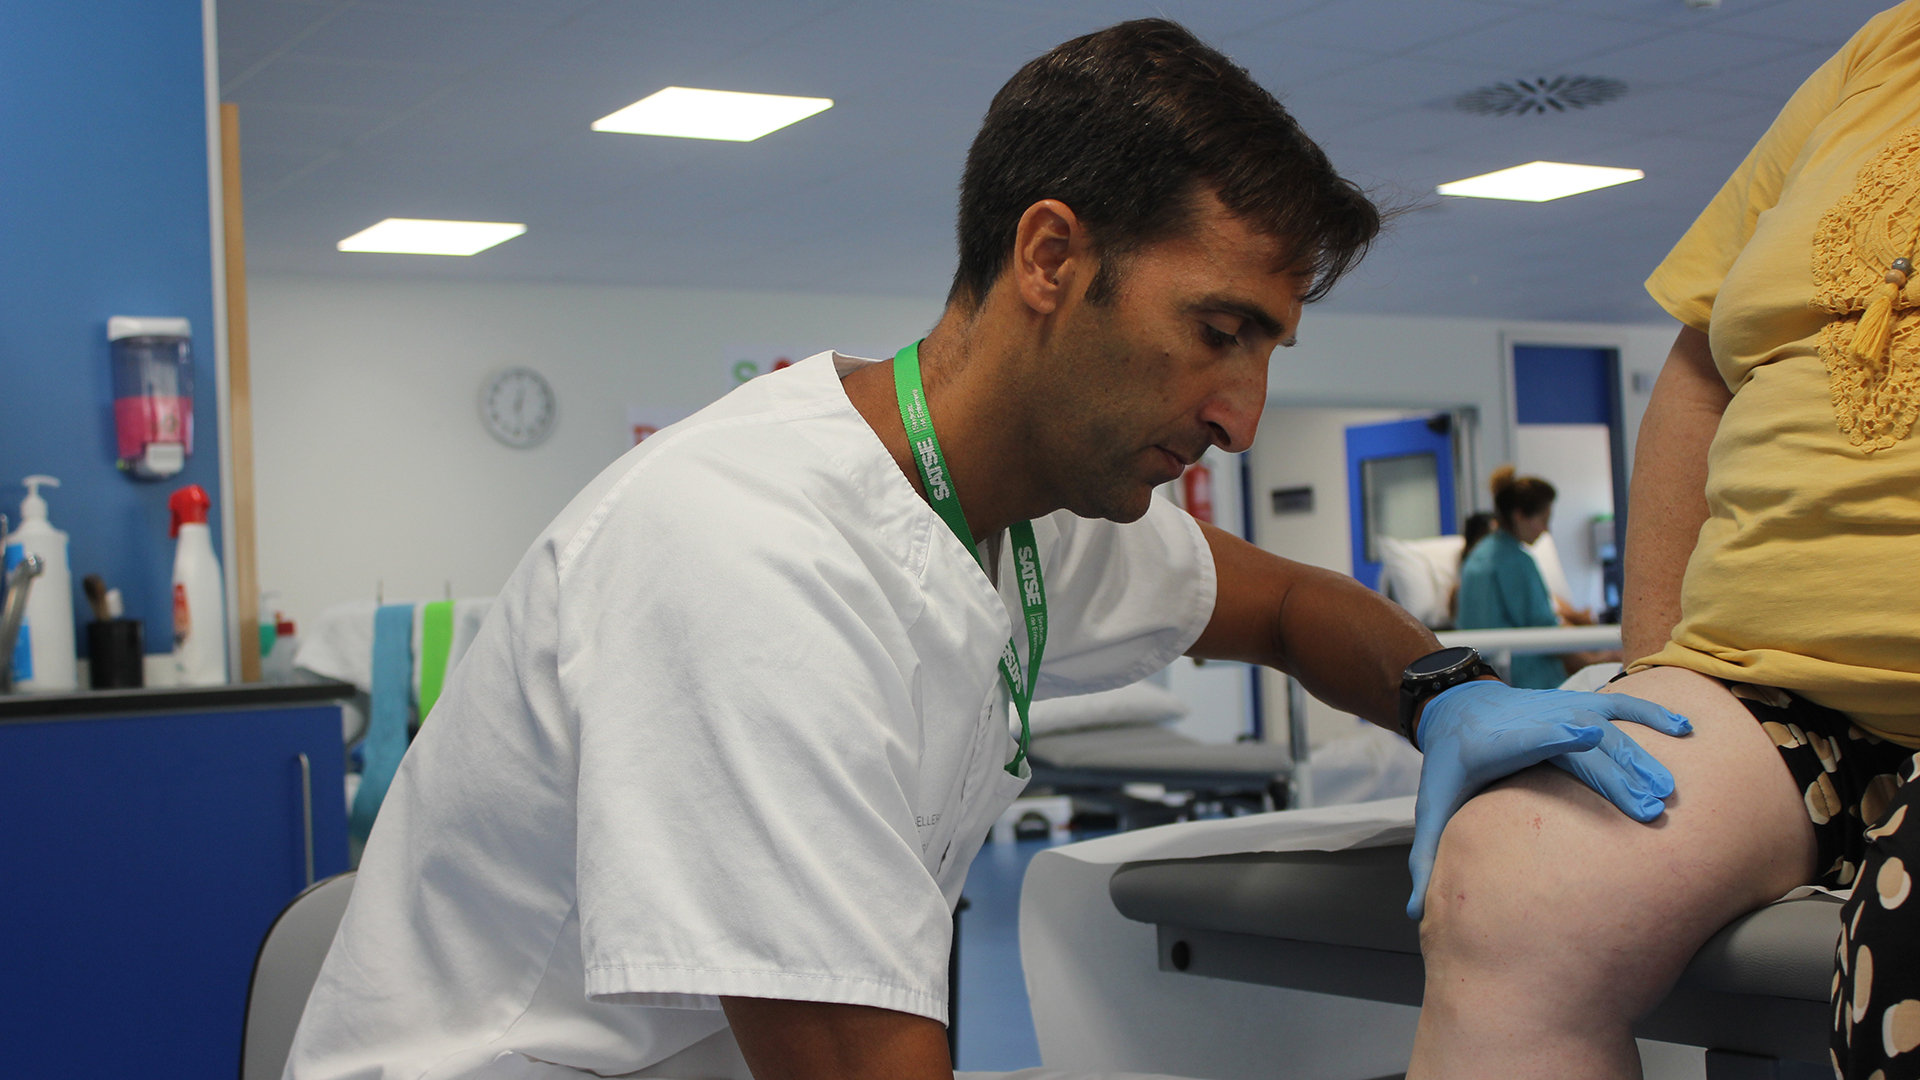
pixel 1433 673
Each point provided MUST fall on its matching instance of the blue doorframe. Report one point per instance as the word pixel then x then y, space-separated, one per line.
pixel 1398 438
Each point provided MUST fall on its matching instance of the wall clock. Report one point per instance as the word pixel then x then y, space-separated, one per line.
pixel 518 407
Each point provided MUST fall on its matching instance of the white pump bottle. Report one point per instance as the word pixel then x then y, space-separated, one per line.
pixel 44 654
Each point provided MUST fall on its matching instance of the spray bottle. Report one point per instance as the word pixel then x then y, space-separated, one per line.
pixel 43 654
pixel 199 604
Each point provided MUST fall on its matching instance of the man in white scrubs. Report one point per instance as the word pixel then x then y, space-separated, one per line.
pixel 702 795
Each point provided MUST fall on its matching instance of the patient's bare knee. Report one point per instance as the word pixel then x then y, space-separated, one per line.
pixel 1496 873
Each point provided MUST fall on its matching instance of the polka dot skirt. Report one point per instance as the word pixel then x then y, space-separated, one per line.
pixel 1860 796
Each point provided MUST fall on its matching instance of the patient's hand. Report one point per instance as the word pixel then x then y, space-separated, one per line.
pixel 1478 732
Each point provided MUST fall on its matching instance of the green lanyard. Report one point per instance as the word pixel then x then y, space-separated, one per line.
pixel 938 480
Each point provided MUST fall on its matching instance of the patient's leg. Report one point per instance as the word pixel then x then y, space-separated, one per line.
pixel 1554 921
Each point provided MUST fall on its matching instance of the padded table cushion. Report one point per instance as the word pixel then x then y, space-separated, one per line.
pixel 1150 747
pixel 1358 898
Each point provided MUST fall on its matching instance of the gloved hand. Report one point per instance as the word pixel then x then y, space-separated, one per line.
pixel 1478 732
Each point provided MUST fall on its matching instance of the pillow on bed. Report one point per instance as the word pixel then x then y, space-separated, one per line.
pixel 1130 706
pixel 1420 575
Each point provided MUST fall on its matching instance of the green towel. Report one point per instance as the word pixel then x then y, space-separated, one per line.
pixel 436 646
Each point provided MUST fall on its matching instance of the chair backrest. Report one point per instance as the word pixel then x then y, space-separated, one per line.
pixel 284 974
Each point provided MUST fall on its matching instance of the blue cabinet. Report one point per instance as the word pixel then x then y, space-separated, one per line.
pixel 142 857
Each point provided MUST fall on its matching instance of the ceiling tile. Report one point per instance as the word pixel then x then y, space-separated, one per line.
pixel 1689 56
pixel 373 87
pixel 413 36
pixel 1217 22
pixel 1764 80
pixel 1674 14
pixel 252 32
pixel 317 125
pixel 1539 43
pixel 534 12
pixel 1381 26
pixel 1828 25
pixel 1287 69
pixel 1399 83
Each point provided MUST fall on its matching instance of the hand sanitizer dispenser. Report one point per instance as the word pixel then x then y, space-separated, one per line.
pixel 43 659
pixel 152 393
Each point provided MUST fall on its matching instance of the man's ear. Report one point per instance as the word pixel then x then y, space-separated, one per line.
pixel 1051 251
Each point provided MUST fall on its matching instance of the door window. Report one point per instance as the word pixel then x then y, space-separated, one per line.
pixel 1402 498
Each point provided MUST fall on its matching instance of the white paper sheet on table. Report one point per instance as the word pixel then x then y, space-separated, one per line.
pixel 1102 1005
pixel 1322 828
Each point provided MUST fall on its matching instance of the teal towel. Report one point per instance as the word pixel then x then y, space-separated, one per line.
pixel 387 726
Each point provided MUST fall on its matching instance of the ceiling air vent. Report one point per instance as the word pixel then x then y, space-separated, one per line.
pixel 1562 93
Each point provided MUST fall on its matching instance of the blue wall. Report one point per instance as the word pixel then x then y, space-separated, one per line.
pixel 103 211
pixel 1559 385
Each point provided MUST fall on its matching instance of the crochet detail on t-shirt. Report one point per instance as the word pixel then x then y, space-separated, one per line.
pixel 1874 403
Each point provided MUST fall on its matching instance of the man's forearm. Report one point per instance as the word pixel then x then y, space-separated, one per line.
pixel 816 1040
pixel 1345 643
pixel 1668 501
pixel 1348 645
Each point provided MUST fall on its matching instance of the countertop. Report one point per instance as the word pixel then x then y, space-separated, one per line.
pixel 312 691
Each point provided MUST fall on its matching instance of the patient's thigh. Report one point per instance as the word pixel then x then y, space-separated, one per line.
pixel 1538 878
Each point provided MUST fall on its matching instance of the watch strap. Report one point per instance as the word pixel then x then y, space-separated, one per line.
pixel 1415 690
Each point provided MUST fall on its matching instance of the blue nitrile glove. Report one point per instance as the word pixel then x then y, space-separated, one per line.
pixel 1478 732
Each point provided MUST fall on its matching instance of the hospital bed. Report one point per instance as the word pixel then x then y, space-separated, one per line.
pixel 1115 758
pixel 1421 575
pixel 1099 746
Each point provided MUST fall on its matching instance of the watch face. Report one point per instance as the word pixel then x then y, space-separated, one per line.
pixel 1444 660
pixel 518 407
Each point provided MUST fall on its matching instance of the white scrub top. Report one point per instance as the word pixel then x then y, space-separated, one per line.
pixel 734 727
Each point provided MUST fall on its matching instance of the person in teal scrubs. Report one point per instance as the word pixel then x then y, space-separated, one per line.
pixel 1500 584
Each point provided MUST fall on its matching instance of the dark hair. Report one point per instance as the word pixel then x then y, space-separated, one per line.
pixel 1129 127
pixel 1519 494
pixel 1478 525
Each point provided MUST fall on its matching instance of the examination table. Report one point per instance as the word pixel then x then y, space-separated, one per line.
pixel 1278 946
pixel 1334 922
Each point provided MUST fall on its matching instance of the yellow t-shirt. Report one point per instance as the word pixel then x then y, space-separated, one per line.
pixel 1806 575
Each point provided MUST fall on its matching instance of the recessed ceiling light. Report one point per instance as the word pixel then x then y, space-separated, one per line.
pixel 422 236
pixel 684 113
pixel 1540 181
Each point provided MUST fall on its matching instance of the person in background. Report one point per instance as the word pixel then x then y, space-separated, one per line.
pixel 1478 525
pixel 1501 587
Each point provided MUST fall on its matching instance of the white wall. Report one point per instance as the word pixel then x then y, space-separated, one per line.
pixel 1302 447
pixel 371 465
pixel 370 461
pixel 1217 691
pixel 1577 459
pixel 1299 447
